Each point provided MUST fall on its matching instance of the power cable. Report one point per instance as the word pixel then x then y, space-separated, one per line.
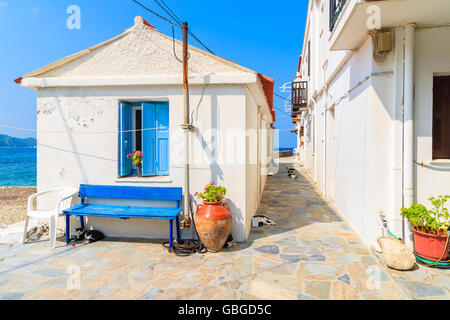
pixel 178 20
pixel 156 14
pixel 280 96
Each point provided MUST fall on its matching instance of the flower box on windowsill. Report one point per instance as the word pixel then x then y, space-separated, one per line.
pixel 136 179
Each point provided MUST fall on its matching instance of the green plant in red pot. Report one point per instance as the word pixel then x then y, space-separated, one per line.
pixel 430 227
pixel 213 219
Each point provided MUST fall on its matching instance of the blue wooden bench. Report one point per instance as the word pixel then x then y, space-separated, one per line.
pixel 126 212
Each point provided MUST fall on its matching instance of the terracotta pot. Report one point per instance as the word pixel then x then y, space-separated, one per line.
pixel 213 222
pixel 430 246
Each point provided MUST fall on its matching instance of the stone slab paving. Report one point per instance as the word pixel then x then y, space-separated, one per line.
pixel 311 254
pixel 423 283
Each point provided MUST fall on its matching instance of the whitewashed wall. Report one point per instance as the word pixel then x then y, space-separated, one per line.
pixel 367 179
pixel 78 155
pixel 432 58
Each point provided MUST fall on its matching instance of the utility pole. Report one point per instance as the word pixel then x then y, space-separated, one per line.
pixel 186 127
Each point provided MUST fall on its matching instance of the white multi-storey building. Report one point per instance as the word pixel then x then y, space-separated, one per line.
pixel 371 103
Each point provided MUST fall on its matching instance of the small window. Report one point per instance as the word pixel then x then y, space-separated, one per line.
pixel 144 127
pixel 441 117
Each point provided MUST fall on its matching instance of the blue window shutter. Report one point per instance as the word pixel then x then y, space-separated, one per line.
pixel 125 167
pixel 162 139
pixel 148 139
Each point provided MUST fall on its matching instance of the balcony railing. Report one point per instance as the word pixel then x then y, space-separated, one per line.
pixel 335 11
pixel 299 97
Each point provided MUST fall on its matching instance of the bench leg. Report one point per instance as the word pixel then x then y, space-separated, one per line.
pixel 82 222
pixel 178 229
pixel 67 229
pixel 171 234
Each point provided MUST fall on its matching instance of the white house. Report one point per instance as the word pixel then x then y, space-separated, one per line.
pixel 372 107
pixel 133 84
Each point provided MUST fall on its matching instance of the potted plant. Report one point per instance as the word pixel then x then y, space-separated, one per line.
pixel 136 157
pixel 213 219
pixel 430 228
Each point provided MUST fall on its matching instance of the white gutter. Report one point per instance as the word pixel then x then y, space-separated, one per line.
pixel 408 125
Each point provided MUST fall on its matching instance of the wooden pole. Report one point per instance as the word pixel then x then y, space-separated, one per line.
pixel 186 127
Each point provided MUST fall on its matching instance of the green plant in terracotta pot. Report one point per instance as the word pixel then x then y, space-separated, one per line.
pixel 213 219
pixel 430 227
pixel 212 193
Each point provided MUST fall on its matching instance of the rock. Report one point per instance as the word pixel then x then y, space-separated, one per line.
pixel 396 255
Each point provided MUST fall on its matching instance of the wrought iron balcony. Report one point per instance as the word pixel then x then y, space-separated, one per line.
pixel 299 97
pixel 335 11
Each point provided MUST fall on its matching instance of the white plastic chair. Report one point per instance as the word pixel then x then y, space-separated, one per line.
pixel 64 201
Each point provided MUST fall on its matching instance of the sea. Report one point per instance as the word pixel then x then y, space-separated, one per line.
pixel 17 167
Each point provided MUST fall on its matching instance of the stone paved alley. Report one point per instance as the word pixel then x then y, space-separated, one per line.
pixel 311 254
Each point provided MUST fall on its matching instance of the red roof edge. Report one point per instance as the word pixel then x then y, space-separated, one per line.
pixel 299 70
pixel 18 80
pixel 149 24
pixel 268 87
pixel 299 64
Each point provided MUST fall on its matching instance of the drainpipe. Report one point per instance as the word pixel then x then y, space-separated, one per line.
pixel 408 125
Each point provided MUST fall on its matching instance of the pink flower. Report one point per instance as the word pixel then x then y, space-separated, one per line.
pixel 195 194
pixel 212 183
pixel 141 154
pixel 206 190
pixel 129 155
pixel 220 192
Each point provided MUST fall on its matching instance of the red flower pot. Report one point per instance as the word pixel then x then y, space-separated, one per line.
pixel 213 222
pixel 430 246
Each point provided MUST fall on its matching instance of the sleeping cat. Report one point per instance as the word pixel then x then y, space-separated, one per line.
pixel 261 220
pixel 89 235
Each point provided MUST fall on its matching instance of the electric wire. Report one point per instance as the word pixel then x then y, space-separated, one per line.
pixel 177 20
pixel 151 11
pixel 167 20
pixel 280 96
pixel 99 132
pixel 199 41
pixel 173 42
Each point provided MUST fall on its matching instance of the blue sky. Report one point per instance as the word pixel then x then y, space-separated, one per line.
pixel 265 36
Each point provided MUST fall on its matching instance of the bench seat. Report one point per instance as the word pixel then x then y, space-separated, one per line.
pixel 123 212
pixel 126 212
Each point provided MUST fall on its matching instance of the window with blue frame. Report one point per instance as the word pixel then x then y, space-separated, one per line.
pixel 144 126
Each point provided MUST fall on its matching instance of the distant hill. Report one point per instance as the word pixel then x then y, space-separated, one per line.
pixel 12 142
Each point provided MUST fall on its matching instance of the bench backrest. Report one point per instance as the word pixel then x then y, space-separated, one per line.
pixel 122 192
